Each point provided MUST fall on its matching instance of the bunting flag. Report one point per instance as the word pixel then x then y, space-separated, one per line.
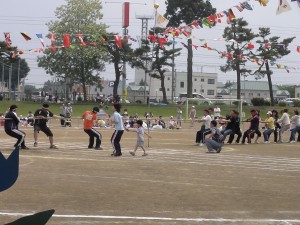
pixel 25 36
pixel 263 2
pixel 81 39
pixel 152 38
pixel 298 49
pixel 246 5
pixel 7 39
pixel 250 46
pixel 231 14
pixel 40 36
pixel 118 40
pixel 283 7
pixel 52 39
pixel 161 21
pixel 67 43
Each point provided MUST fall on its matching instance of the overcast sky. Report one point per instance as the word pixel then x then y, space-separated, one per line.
pixel 31 15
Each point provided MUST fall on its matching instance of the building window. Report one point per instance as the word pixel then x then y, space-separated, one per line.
pixel 251 94
pixel 195 90
pixel 258 94
pixel 202 80
pixel 182 84
pixel 95 89
pixel 211 81
pixel 210 92
pixel 168 78
pixel 160 89
pixel 298 95
pixel 168 89
pixel 195 79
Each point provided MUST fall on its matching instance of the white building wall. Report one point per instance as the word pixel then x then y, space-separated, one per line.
pixel 297 92
pixel 203 83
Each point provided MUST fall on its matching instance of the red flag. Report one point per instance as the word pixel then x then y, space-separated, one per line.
pixel 7 39
pixel 161 41
pixel 67 43
pixel 298 49
pixel 118 40
pixel 81 40
pixel 230 14
pixel 152 38
pixel 25 36
pixel 250 46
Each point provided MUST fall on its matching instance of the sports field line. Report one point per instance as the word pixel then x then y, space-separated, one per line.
pixel 219 220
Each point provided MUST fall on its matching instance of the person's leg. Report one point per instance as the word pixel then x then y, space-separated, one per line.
pixel 91 138
pixel 239 133
pixel 245 135
pixel 112 141
pixel 227 132
pixel 49 133
pixel 35 134
pixel 98 137
pixel 206 132
pixel 15 134
pixel 276 134
pixel 209 145
pixel 293 135
pixel 116 142
pixel 198 137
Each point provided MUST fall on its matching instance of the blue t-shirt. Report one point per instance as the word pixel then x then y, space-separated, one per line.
pixel 118 121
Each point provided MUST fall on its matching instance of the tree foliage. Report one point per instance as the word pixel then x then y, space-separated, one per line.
pixel 240 36
pixel 77 64
pixel 270 50
pixel 5 57
pixel 182 12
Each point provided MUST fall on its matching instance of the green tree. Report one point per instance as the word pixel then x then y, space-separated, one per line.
pixel 6 61
pixel 270 50
pixel 240 36
pixel 77 64
pixel 117 55
pixel 185 12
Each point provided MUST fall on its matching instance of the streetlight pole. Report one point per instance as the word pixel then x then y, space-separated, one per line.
pixel 9 81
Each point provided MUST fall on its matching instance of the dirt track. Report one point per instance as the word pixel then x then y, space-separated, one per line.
pixel 178 183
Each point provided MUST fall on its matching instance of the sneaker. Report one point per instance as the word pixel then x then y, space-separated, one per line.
pixel 24 148
pixel 132 153
pixel 145 154
pixel 256 142
pixel 219 149
pixel 237 143
pixel 267 142
pixel 117 154
pixel 279 142
pixel 292 142
pixel 90 146
pixel 210 152
pixel 53 147
pixel 201 144
pixel 35 144
pixel 98 148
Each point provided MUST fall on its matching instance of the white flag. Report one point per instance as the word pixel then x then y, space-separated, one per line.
pixel 161 21
pixel 283 7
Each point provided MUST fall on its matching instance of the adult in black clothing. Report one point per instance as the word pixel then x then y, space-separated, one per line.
pixel 40 124
pixel 11 127
pixel 254 127
pixel 233 127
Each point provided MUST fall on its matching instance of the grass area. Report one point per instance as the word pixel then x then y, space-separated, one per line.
pixel 164 111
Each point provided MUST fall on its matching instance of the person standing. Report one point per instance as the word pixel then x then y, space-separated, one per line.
pixel 69 109
pixel 40 124
pixel 62 113
pixel 116 119
pixel 284 121
pixel 89 118
pixel 11 127
pixel 193 113
pixel 140 137
pixel 217 112
pixel 179 117
pixel 269 127
pixel 295 126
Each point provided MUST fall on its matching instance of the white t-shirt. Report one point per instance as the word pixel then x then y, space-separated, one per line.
pixel 207 119
pixel 217 112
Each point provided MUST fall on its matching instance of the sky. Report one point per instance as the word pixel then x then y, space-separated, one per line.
pixel 31 16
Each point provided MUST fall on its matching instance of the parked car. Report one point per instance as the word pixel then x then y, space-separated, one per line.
pixel 153 101
pixel 290 101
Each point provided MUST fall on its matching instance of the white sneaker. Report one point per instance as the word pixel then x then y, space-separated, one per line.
pixel 292 142
pixel 256 142
pixel 201 145
pixel 267 142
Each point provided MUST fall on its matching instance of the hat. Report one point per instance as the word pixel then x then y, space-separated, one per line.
pixel 95 109
pixel 269 113
pixel 46 106
pixel 193 106
pixel 171 117
pixel 13 107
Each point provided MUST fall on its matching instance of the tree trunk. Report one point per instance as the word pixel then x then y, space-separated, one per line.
pixel 117 80
pixel 270 83
pixel 163 88
pixel 83 82
pixel 190 69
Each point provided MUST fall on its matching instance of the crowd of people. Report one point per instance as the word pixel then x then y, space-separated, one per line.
pixel 213 131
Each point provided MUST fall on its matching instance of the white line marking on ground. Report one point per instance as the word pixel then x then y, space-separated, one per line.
pixel 220 220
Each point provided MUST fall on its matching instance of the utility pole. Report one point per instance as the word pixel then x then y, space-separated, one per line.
pixel 9 81
pixel 173 71
pixel 2 80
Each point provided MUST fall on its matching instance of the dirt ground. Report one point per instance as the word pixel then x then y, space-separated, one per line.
pixel 177 183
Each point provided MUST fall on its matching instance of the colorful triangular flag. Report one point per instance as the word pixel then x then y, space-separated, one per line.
pixel 283 7
pixel 25 36
pixel 40 36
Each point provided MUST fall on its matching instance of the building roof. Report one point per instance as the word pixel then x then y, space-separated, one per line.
pixel 137 88
pixel 255 85
pixel 282 93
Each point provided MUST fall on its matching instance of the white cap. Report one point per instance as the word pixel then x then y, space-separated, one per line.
pixel 269 113
pixel 193 106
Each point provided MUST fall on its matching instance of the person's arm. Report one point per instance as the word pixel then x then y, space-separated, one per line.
pixel 211 134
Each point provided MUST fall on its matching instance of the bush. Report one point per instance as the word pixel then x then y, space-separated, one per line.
pixel 296 103
pixel 1 97
pixel 281 103
pixel 258 101
pixel 138 101
pixel 237 103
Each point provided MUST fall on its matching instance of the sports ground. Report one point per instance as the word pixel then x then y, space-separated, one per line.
pixel 177 183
